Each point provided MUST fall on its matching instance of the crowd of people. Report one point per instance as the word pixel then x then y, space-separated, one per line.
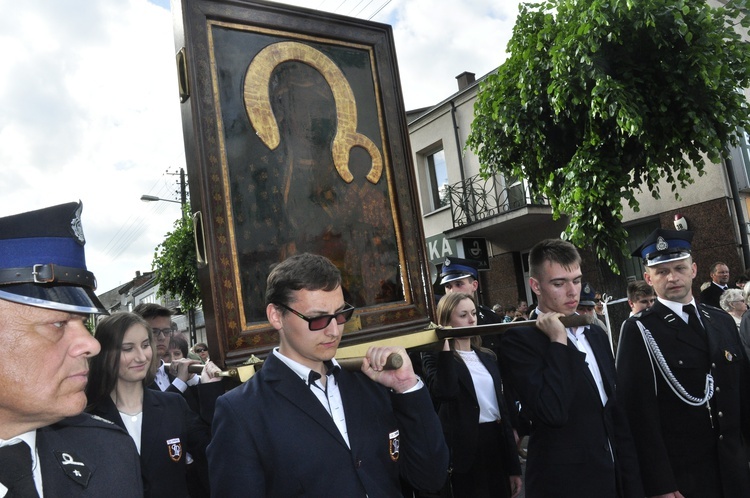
pixel 119 413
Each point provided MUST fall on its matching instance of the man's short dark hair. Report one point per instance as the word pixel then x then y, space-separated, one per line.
pixel 557 251
pixel 303 271
pixel 152 310
pixel 639 289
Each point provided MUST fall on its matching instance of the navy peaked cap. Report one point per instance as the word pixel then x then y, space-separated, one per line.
pixel 458 268
pixel 662 246
pixel 42 261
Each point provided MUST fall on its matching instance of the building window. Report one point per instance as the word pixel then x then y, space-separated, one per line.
pixel 437 173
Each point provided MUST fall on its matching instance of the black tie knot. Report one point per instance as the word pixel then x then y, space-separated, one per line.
pixel 331 369
pixel 16 472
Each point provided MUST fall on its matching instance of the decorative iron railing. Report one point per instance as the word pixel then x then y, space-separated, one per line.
pixel 477 199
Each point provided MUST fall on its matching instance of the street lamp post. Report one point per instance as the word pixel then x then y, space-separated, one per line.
pixel 183 203
pixel 152 198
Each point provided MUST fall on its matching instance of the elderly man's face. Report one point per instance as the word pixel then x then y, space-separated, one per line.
pixel 45 369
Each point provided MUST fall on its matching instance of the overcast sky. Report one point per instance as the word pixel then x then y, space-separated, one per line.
pixel 89 107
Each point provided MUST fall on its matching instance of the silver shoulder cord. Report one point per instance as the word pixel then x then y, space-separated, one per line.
pixel 666 372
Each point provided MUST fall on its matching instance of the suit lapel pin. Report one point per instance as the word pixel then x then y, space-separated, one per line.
pixel 73 467
pixel 393 445
pixel 729 356
pixel 175 449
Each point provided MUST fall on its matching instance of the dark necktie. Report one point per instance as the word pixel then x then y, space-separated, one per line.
pixel 16 472
pixel 694 321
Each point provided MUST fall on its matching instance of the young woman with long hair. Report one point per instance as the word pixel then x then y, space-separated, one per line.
pixel 465 383
pixel 165 431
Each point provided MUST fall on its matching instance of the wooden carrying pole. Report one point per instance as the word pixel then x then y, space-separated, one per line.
pixel 350 357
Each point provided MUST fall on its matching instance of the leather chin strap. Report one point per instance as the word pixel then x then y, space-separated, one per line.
pixel 47 274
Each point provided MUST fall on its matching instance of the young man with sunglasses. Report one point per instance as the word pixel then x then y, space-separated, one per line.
pixel 303 426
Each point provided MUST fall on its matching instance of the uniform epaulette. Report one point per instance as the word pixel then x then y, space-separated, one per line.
pixel 88 420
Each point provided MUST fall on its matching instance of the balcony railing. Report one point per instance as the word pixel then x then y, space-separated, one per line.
pixel 477 199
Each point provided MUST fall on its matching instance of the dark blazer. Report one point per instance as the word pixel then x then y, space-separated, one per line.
pixel 675 441
pixel 201 398
pixel 711 295
pixel 452 388
pixel 109 460
pixel 273 438
pixel 167 421
pixel 569 451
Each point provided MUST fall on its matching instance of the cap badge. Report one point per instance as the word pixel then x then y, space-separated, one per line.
pixel 661 244
pixel 75 225
pixel 587 289
pixel 447 262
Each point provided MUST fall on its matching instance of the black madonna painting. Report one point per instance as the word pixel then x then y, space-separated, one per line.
pixel 301 147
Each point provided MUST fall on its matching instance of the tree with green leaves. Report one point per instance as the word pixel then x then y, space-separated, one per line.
pixel 600 99
pixel 175 265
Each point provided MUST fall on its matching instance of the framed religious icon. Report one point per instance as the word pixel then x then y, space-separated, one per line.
pixel 296 141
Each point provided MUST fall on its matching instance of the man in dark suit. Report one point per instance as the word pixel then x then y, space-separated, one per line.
pixel 47 447
pixel 302 426
pixel 684 382
pixel 580 444
pixel 719 279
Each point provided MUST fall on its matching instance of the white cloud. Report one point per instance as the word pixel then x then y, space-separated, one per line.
pixel 90 111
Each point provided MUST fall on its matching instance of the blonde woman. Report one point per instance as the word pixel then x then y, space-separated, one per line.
pixel 464 379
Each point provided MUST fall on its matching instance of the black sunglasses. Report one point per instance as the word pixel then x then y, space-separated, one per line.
pixel 322 321
pixel 200 350
pixel 163 332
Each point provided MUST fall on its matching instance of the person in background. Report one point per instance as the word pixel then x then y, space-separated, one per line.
pixel 587 305
pixel 740 281
pixel 162 425
pixel 683 380
pixel 745 322
pixel 465 382
pixel 719 274
pixel 201 349
pixel 197 471
pixel 733 302
pixel 47 446
pixel 640 296
pixel 580 444
pixel 523 308
pixel 177 379
pixel 200 391
pixel 303 426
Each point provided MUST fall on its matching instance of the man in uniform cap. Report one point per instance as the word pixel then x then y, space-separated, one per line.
pixel 683 378
pixel 587 305
pixel 47 447
pixel 462 275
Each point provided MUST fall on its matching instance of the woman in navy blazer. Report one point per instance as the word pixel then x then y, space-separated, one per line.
pixel 161 424
pixel 465 382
